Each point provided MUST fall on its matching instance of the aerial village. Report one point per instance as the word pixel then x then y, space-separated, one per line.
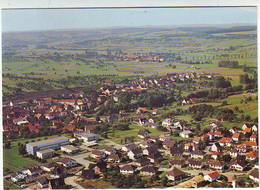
pixel 72 146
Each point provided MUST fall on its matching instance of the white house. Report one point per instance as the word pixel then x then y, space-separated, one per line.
pixel 177 125
pixel 70 149
pixel 254 175
pixel 167 123
pixel 68 162
pixel 186 134
pixel 127 169
pixel 244 126
pixel 87 138
pixel 212 176
pixel 44 154
pixel 254 128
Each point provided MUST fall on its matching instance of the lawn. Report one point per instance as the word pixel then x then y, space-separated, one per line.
pixel 249 108
pixel 13 161
pixel 118 135
pixel 9 185
pixel 96 184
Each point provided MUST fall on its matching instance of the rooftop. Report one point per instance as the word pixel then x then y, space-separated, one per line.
pixel 49 141
pixel 70 147
pixel 46 151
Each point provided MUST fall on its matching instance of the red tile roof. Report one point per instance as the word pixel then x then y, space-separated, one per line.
pixel 34 128
pixel 236 135
pixel 225 140
pixel 214 175
pixel 247 130
pixel 252 154
pixel 250 143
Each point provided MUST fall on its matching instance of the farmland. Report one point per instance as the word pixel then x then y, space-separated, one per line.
pixel 48 63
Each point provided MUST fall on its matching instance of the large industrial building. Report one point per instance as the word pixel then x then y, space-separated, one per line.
pixel 53 143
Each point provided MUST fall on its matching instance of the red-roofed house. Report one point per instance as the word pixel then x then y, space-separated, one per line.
pixel 71 127
pixel 212 176
pixel 251 144
pixel 253 138
pixel 236 137
pixel 35 129
pixel 252 155
pixel 216 155
pixel 225 141
pixel 247 130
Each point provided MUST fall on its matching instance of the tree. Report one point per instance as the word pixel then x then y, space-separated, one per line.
pixel 226 114
pixel 21 149
pixel 226 158
pixel 164 181
pixel 7 145
pixel 221 82
pixel 224 103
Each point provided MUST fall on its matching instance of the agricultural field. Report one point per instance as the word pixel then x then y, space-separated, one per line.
pixel 119 135
pixel 48 62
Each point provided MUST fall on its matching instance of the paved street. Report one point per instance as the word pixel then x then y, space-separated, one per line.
pixel 72 180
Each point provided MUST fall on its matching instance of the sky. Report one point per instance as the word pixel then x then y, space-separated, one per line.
pixel 66 19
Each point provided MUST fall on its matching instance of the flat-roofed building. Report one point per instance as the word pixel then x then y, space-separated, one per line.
pixel 52 143
pixel 44 154
pixel 87 138
pixel 69 149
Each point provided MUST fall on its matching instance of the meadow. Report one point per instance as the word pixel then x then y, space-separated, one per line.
pixel 53 61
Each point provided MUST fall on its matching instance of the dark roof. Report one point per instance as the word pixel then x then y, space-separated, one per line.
pixel 150 169
pixel 110 149
pixel 43 180
pixel 177 150
pixel 152 149
pixel 143 161
pixel 175 172
pixel 157 156
pixel 97 152
pixel 131 146
pixel 215 163
pixel 195 162
pixel 35 169
pixel 169 143
pixel 240 162
pixel 50 165
pixel 88 174
pixel 137 151
pixel 57 183
pixel 66 160
pixel 255 173
pixel 197 152
pixel 127 167
pixel 177 162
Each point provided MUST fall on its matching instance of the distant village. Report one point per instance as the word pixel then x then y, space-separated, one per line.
pixel 76 149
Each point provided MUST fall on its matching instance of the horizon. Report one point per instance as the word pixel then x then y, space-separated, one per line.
pixel 137 27
pixel 33 20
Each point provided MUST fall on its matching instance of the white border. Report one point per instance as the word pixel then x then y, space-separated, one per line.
pixel 121 3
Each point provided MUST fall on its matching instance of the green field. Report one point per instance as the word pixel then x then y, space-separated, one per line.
pixel 13 161
pixel 9 185
pixel 194 44
pixel 249 108
pixel 118 135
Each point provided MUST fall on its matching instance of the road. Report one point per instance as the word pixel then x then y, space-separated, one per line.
pixel 72 180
